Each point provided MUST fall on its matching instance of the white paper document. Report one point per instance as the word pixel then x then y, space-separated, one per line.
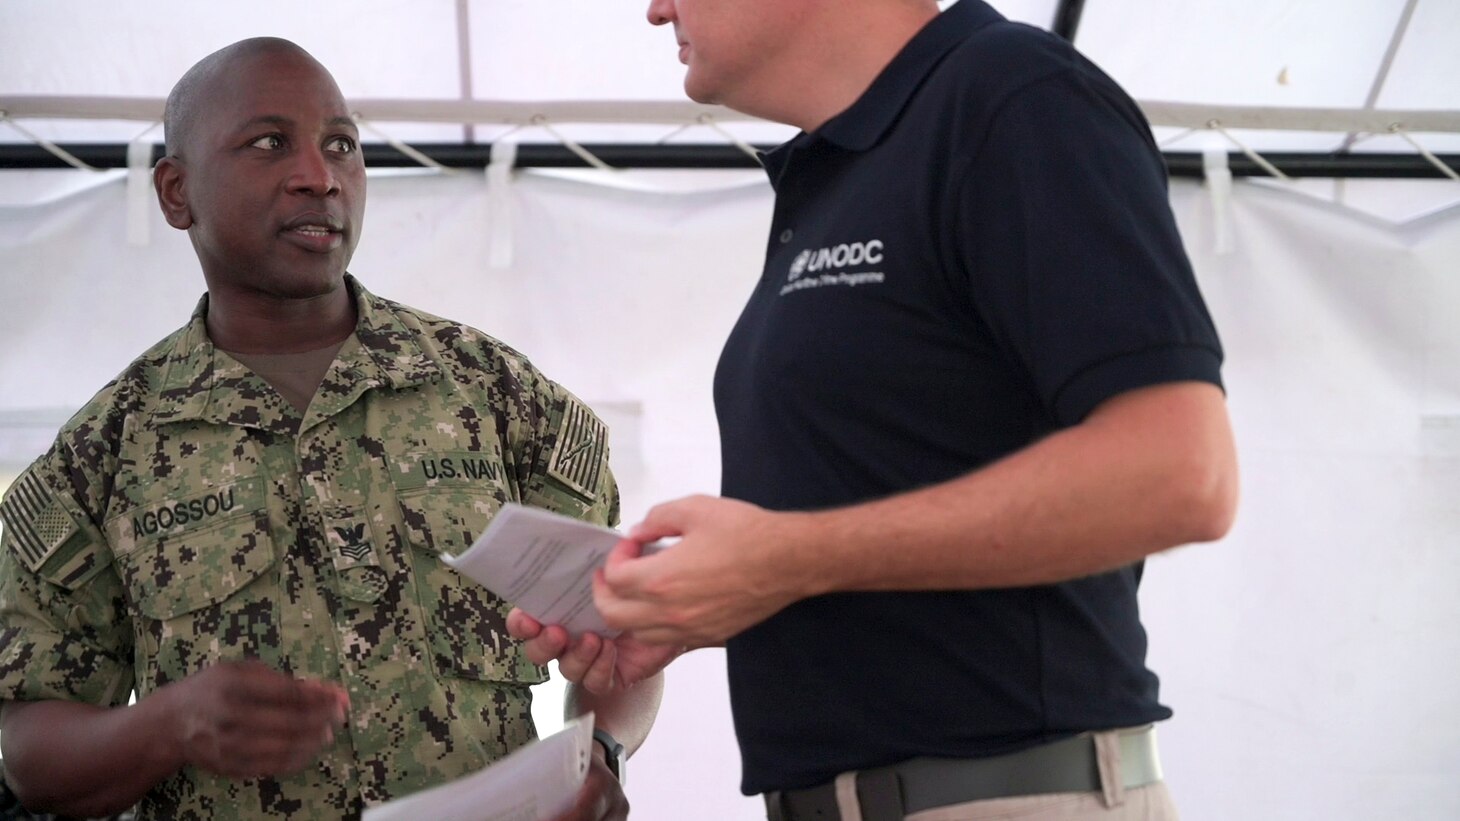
pixel 543 563
pixel 536 783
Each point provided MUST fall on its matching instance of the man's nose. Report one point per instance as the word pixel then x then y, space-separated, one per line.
pixel 661 12
pixel 313 174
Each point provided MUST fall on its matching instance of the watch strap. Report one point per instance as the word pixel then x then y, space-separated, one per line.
pixel 613 752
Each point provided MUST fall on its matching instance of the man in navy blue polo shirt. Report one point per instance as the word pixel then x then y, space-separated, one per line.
pixel 975 386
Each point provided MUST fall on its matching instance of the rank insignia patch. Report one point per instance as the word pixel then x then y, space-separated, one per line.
pixel 351 542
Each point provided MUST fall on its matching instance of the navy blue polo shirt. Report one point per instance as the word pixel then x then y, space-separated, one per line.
pixel 976 253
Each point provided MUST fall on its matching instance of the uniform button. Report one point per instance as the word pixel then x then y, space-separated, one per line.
pixel 786 236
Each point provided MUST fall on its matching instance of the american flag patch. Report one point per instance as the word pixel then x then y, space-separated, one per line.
pixel 578 456
pixel 37 524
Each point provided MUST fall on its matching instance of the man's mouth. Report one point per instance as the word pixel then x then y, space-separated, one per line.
pixel 315 232
pixel 314 220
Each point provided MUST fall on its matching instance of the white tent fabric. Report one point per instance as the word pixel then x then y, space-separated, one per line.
pixel 1351 56
pixel 1310 656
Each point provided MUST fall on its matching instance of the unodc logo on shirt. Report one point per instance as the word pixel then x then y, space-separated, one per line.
pixel 798 265
pixel 830 265
pixel 837 256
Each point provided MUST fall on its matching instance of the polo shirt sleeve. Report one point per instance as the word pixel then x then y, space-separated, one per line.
pixel 1071 252
pixel 65 632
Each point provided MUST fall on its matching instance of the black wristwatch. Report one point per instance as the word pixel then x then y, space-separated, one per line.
pixel 613 753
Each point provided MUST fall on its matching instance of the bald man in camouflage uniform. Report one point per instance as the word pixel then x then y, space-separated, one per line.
pixel 245 527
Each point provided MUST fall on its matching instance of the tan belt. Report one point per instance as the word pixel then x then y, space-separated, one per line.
pixel 889 793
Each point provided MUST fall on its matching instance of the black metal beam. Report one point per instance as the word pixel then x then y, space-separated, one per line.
pixel 689 155
pixel 1316 164
pixel 452 155
pixel 1067 18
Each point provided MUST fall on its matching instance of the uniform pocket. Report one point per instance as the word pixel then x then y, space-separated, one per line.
pixel 178 575
pixel 465 622
pixel 198 576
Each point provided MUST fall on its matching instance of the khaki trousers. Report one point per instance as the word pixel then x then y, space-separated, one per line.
pixel 1149 803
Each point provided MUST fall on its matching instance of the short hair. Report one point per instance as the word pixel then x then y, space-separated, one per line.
pixel 189 97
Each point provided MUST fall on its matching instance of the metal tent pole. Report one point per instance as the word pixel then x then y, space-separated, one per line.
pixel 691 155
pixel 1067 18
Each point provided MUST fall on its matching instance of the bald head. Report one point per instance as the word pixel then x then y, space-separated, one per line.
pixel 264 172
pixel 189 100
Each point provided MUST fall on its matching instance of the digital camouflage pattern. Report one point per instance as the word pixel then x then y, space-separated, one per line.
pixel 189 514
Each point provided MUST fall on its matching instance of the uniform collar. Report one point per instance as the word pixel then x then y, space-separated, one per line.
pixel 867 120
pixel 389 343
pixel 383 352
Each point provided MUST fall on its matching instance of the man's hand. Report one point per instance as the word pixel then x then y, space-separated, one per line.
pixel 246 720
pixel 601 797
pixel 597 664
pixel 732 568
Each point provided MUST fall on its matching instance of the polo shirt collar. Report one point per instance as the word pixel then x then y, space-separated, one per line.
pixel 873 114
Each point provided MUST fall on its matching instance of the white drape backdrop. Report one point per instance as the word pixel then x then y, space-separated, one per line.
pixel 1311 657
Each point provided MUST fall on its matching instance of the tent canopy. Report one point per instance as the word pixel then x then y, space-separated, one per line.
pixel 1346 83
pixel 1351 56
pixel 1310 657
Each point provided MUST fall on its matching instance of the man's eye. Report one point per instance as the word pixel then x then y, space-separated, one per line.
pixel 270 142
pixel 342 145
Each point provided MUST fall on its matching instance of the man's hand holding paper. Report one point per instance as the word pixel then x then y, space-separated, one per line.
pixel 597 663
pixel 717 581
pixel 543 563
pixel 729 571
pixel 547 780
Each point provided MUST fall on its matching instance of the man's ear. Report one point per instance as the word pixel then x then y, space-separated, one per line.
pixel 167 178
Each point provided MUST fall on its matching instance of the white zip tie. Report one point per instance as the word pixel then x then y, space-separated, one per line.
pixel 587 156
pixel 140 202
pixel 1216 125
pixel 399 146
pixel 706 119
pixel 1219 186
pixel 59 152
pixel 501 213
pixel 1398 128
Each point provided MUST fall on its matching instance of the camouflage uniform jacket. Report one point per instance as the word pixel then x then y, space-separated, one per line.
pixel 189 514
